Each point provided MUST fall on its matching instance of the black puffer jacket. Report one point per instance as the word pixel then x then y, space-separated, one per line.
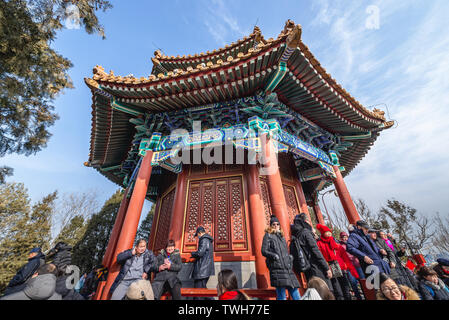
pixel 62 257
pixel 318 265
pixel 66 293
pixel 18 282
pixel 170 275
pixel 204 266
pixel 278 260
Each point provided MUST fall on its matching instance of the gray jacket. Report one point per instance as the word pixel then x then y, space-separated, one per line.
pixel 40 288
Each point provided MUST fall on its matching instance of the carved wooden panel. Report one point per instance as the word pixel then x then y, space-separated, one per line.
pixel 217 205
pixel 237 215
pixel 192 216
pixel 266 200
pixel 164 220
pixel 292 204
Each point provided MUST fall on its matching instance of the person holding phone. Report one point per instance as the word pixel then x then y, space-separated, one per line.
pixel 169 264
pixel 137 263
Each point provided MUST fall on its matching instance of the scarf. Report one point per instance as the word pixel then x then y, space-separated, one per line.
pixel 228 295
pixel 388 242
pixel 440 285
pixel 329 247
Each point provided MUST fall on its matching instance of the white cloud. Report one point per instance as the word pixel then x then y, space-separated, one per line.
pixel 221 22
pixel 410 162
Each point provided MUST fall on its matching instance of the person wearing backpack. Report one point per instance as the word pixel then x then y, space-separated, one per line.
pixel 303 247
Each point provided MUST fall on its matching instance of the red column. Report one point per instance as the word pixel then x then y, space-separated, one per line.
pixel 131 222
pixel 257 224
pixel 274 184
pixel 318 213
pixel 345 197
pixel 178 209
pixel 107 258
pixel 302 200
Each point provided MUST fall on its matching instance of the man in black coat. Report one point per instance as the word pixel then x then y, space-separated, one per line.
pixel 302 235
pixel 137 263
pixel 169 264
pixel 36 259
pixel 62 257
pixel 204 266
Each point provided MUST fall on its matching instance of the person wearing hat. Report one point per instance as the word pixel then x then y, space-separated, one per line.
pixel 338 261
pixel 279 261
pixel 442 269
pixel 302 236
pixel 36 259
pixel 204 265
pixel 363 247
pixel 140 290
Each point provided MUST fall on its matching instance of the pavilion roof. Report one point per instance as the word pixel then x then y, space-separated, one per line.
pixel 238 70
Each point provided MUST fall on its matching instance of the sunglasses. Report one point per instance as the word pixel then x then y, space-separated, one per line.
pixel 275 224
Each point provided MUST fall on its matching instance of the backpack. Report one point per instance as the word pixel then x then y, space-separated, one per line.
pixel 300 261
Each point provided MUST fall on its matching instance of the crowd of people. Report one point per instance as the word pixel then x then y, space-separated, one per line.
pixel 341 265
pixel 334 269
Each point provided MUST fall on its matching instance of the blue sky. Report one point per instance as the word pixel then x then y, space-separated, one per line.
pixel 404 63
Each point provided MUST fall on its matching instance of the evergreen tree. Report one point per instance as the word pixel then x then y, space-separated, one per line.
pixel 32 73
pixel 145 227
pixel 89 251
pixel 409 227
pixel 73 231
pixel 23 228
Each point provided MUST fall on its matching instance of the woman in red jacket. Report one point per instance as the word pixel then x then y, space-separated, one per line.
pixel 338 261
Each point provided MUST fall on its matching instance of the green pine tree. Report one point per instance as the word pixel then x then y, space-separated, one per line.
pixel 89 251
pixel 23 228
pixel 32 73
pixel 145 226
pixel 73 231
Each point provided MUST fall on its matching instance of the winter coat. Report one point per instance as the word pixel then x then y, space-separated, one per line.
pixel 169 275
pixel 63 256
pixel 432 291
pixel 66 293
pixel 442 274
pixel 355 262
pixel 204 266
pixel 41 287
pixel 340 255
pixel 390 257
pixel 278 260
pixel 360 246
pixel 233 295
pixel 18 282
pixel 318 265
pixel 126 258
pixel 407 293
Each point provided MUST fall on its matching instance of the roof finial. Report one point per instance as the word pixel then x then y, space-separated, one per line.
pixel 294 38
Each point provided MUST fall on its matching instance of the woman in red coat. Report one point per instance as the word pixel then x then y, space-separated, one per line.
pixel 338 262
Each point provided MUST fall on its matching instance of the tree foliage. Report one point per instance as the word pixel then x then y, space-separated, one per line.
pixel 89 251
pixel 440 238
pixel 32 74
pixel 23 227
pixel 412 229
pixel 145 226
